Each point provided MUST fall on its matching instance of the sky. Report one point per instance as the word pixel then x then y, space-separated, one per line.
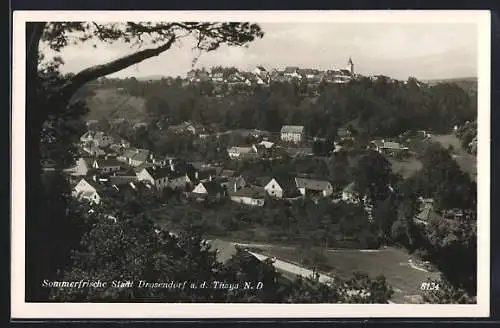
pixel 421 50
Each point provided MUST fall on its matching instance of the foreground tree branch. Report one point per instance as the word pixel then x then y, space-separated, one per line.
pixel 94 72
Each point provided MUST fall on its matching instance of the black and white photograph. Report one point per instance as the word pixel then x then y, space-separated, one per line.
pixel 266 163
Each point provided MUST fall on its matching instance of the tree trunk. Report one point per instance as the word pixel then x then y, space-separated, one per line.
pixel 34 120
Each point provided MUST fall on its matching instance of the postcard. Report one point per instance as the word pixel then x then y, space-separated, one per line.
pixel 257 164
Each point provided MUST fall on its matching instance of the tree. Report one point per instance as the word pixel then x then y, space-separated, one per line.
pixel 373 176
pixel 50 96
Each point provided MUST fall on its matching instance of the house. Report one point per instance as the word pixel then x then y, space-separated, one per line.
pixel 134 157
pixel 107 165
pixel 266 144
pixel 164 161
pixel 344 133
pixel 314 187
pixel 242 152
pixel 209 189
pixel 388 147
pixel 232 184
pixel 282 187
pixel 162 177
pixel 308 73
pixel 184 127
pixel 217 77
pixel 93 150
pixel 252 195
pixel 260 70
pixel 82 167
pixel 425 211
pixel 178 180
pixel 350 193
pixel 140 125
pixel 227 173
pixel 88 189
pixel 156 176
pixel 292 133
pixel 292 72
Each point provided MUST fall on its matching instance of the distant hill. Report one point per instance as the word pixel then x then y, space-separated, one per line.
pixel 150 77
pixel 113 103
pixel 467 83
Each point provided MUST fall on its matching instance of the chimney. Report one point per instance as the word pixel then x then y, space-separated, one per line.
pixel 196 175
pixel 94 177
pixel 235 186
pixel 172 167
pixel 210 177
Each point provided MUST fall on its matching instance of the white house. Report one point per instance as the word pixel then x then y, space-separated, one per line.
pixel 107 165
pixel 134 157
pixel 253 196
pixel 388 147
pixel 274 189
pixel 98 138
pixel 82 167
pixel 311 186
pixel 87 189
pixel 282 187
pixel 242 152
pixel 292 72
pixel 157 176
pixel 93 150
pixel 350 194
pixel 208 189
pixel 259 70
pixel 292 133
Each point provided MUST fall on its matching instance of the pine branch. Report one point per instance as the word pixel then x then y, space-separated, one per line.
pixel 94 72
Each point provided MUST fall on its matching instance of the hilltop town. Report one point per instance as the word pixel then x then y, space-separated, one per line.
pixel 288 165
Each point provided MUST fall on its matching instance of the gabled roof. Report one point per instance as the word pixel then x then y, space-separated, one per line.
pixel 136 154
pixel 312 184
pixel 291 69
pixel 107 162
pixel 292 129
pixel 212 187
pixel 261 68
pixel 389 145
pixel 159 172
pixel 120 179
pixel 287 183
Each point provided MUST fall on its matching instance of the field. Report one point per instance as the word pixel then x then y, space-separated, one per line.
pixel 113 103
pixel 466 161
pixel 396 265
pixel 469 84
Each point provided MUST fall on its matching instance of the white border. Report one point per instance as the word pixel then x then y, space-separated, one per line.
pixel 23 310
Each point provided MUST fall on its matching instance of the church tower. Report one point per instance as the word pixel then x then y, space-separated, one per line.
pixel 350 67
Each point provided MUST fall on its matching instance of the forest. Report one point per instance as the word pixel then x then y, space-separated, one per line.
pixel 380 108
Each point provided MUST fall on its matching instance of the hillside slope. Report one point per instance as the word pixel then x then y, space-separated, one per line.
pixel 111 103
